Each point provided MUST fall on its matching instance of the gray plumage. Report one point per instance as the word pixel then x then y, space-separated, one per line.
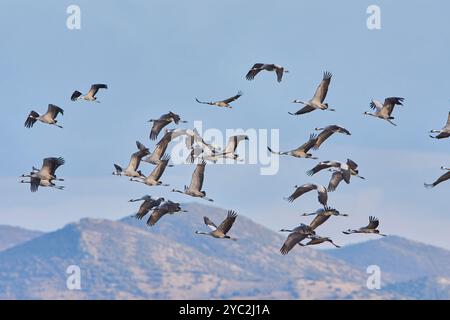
pixel 444 177
pixel 91 95
pixel 49 117
pixel 444 132
pixel 317 101
pixel 222 103
pixel 221 230
pixel 300 152
pixel 195 188
pixel 384 111
pixel 300 190
pixel 164 120
pixel 258 67
pixel 370 228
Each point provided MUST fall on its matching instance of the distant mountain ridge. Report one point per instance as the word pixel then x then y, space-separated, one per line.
pixel 11 236
pixel 434 288
pixel 399 259
pixel 127 260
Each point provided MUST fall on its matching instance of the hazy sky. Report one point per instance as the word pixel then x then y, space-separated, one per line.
pixel 158 56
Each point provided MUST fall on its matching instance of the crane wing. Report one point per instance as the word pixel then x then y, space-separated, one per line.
pixel 444 177
pixel 373 223
pixel 336 178
pixel 322 195
pixel 322 165
pixel 233 98
pixel 318 220
pixel 198 176
pixel 75 95
pixel 157 126
pixel 376 105
pixel 305 109
pixel 135 159
pixel 53 111
pixel 233 142
pixel 352 164
pixel 159 169
pixel 391 102
pixel 210 224
pixel 226 224
pixel 156 215
pixel 336 128
pixel 31 119
pixel 279 72
pixel 145 207
pixel 322 89
pixel 94 89
pixel 293 239
pixel 49 165
pixel 34 184
pixel 324 135
pixel 254 71
pixel 308 144
pixel 301 190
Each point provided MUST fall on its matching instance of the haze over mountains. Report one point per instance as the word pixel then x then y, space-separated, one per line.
pixel 11 236
pixel 127 260
pixel 401 259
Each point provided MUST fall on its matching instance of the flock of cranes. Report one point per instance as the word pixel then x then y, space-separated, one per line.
pixel 201 152
pixel 341 171
pixel 45 176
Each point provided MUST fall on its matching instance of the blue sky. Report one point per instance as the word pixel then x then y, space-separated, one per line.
pixel 158 56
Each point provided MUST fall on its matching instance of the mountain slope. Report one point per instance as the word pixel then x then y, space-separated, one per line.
pixel 11 236
pixel 399 259
pixel 435 288
pixel 125 259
